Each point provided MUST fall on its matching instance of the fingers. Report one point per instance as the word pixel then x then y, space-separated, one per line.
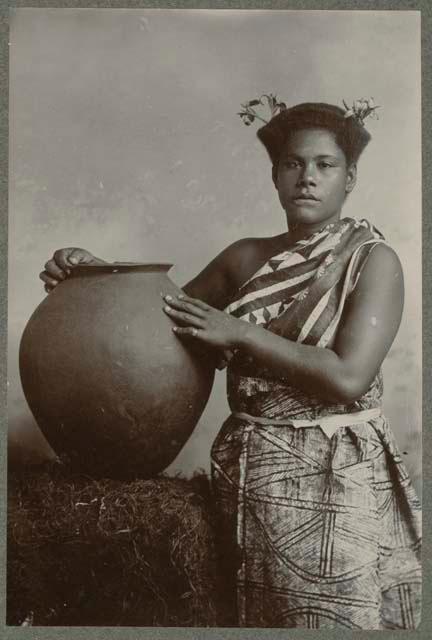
pixel 187 305
pixel 60 265
pixel 194 301
pixel 54 273
pixel 80 256
pixel 60 258
pixel 49 281
pixel 184 317
pixel 53 270
pixel 71 256
pixel 188 331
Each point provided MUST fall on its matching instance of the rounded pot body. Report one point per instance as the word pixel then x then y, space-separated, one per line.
pixel 105 377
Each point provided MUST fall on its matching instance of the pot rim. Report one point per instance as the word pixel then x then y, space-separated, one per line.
pixel 121 267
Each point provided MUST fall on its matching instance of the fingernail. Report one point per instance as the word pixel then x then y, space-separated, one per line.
pixel 181 296
pixel 174 329
pixel 167 308
pixel 168 297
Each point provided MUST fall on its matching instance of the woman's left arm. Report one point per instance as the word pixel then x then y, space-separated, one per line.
pixel 343 373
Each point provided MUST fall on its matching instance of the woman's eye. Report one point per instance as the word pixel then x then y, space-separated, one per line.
pixel 291 164
pixel 325 165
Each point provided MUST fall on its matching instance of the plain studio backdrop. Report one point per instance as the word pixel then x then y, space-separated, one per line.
pixel 125 140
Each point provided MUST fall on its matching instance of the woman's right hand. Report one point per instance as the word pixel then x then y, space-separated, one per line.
pixel 63 261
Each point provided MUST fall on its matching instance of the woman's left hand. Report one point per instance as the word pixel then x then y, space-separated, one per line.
pixel 200 321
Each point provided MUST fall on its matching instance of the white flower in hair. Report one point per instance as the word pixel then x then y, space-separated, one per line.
pixel 249 109
pixel 361 109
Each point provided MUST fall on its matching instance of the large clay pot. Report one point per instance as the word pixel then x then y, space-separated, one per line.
pixel 107 380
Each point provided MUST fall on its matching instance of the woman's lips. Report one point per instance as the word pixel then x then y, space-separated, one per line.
pixel 305 200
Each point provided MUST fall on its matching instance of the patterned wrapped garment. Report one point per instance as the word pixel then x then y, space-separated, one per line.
pixel 319 523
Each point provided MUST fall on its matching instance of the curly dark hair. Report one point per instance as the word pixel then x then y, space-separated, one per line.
pixel 350 133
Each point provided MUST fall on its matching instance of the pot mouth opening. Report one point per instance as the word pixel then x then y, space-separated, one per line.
pixel 122 267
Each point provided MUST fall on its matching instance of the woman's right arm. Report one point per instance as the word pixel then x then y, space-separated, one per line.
pixel 215 284
pixel 209 285
pixel 222 277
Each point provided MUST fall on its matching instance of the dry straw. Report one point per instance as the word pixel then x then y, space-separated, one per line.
pixel 105 552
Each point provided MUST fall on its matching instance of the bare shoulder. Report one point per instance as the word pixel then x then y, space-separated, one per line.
pixel 244 257
pixel 219 280
pixel 243 249
pixel 382 266
pixel 380 284
pixel 385 255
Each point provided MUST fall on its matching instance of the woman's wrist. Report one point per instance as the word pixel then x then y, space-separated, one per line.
pixel 244 339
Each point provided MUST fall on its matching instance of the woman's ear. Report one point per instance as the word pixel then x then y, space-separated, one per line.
pixel 351 178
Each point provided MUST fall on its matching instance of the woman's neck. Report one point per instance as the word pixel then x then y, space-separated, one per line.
pixel 304 231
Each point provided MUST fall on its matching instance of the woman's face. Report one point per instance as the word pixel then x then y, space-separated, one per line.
pixel 313 179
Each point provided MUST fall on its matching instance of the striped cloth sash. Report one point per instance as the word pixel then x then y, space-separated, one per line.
pixel 300 293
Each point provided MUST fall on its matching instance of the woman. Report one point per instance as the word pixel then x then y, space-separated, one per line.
pixel 319 522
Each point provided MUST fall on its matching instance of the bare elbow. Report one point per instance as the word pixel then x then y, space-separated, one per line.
pixel 349 389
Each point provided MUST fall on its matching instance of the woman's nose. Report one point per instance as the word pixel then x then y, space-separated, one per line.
pixel 307 176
